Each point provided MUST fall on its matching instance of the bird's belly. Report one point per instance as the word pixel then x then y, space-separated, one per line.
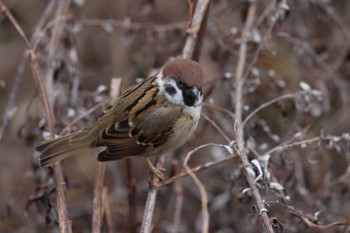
pixel 181 135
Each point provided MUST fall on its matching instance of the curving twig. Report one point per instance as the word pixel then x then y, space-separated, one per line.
pixel 270 102
pixel 200 186
pixel 310 222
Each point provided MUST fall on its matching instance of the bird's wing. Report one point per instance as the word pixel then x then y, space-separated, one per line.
pixel 138 136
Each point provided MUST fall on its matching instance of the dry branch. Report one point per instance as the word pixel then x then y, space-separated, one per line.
pixel 39 81
pixel 21 68
pixel 187 52
pixel 97 210
pixel 146 226
pixel 239 81
pixel 200 186
pixel 133 25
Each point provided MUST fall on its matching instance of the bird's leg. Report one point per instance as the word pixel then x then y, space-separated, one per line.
pixel 156 171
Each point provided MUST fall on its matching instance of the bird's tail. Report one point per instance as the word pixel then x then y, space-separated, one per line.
pixel 56 149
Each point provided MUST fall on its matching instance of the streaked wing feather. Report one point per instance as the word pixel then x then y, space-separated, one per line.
pixel 122 141
pixel 140 134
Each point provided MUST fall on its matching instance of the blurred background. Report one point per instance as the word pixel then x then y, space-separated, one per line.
pixel 307 48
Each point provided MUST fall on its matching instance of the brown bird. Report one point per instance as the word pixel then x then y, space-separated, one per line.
pixel 154 117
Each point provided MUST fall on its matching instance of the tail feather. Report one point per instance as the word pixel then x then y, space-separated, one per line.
pixel 54 150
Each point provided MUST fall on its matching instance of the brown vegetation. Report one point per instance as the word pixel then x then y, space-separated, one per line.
pixel 272 149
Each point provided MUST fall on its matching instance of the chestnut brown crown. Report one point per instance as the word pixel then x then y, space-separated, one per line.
pixel 189 71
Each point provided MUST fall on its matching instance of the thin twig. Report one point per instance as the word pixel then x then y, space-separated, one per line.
pixel 305 143
pixel 62 9
pixel 197 19
pixel 21 68
pixel 107 210
pixel 133 25
pixel 187 52
pixel 216 126
pixel 178 205
pixel 204 197
pixel 86 113
pixel 231 114
pixel 200 186
pixel 270 102
pixel 311 222
pixel 151 199
pixel 198 168
pixel 39 81
pixel 97 205
pixel 239 81
pixel 131 193
pixel 278 12
pixel 53 44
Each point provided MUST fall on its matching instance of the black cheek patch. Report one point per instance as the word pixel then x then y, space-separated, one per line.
pixel 170 90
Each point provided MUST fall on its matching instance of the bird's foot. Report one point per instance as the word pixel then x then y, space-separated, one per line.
pixel 156 171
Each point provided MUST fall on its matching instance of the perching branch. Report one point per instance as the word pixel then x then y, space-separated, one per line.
pixel 187 52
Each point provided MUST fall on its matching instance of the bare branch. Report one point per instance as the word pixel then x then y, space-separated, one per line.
pixel 239 81
pixel 133 25
pixel 21 68
pixel 311 222
pixel 151 199
pixel 199 168
pixel 97 204
pixel 39 81
pixel 200 186
pixel 187 52
pixel 197 19
pixel 97 210
pixel 270 102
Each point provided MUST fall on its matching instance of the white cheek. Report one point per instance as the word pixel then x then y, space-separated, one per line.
pixel 177 98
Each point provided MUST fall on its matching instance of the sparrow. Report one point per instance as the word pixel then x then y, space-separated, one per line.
pixel 156 116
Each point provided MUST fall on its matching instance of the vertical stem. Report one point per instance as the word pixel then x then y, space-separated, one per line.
pixel 238 113
pixel 97 211
pixel 151 200
pixel 97 204
pixel 187 52
pixel 131 193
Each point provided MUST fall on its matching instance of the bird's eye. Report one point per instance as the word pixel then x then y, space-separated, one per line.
pixel 181 83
